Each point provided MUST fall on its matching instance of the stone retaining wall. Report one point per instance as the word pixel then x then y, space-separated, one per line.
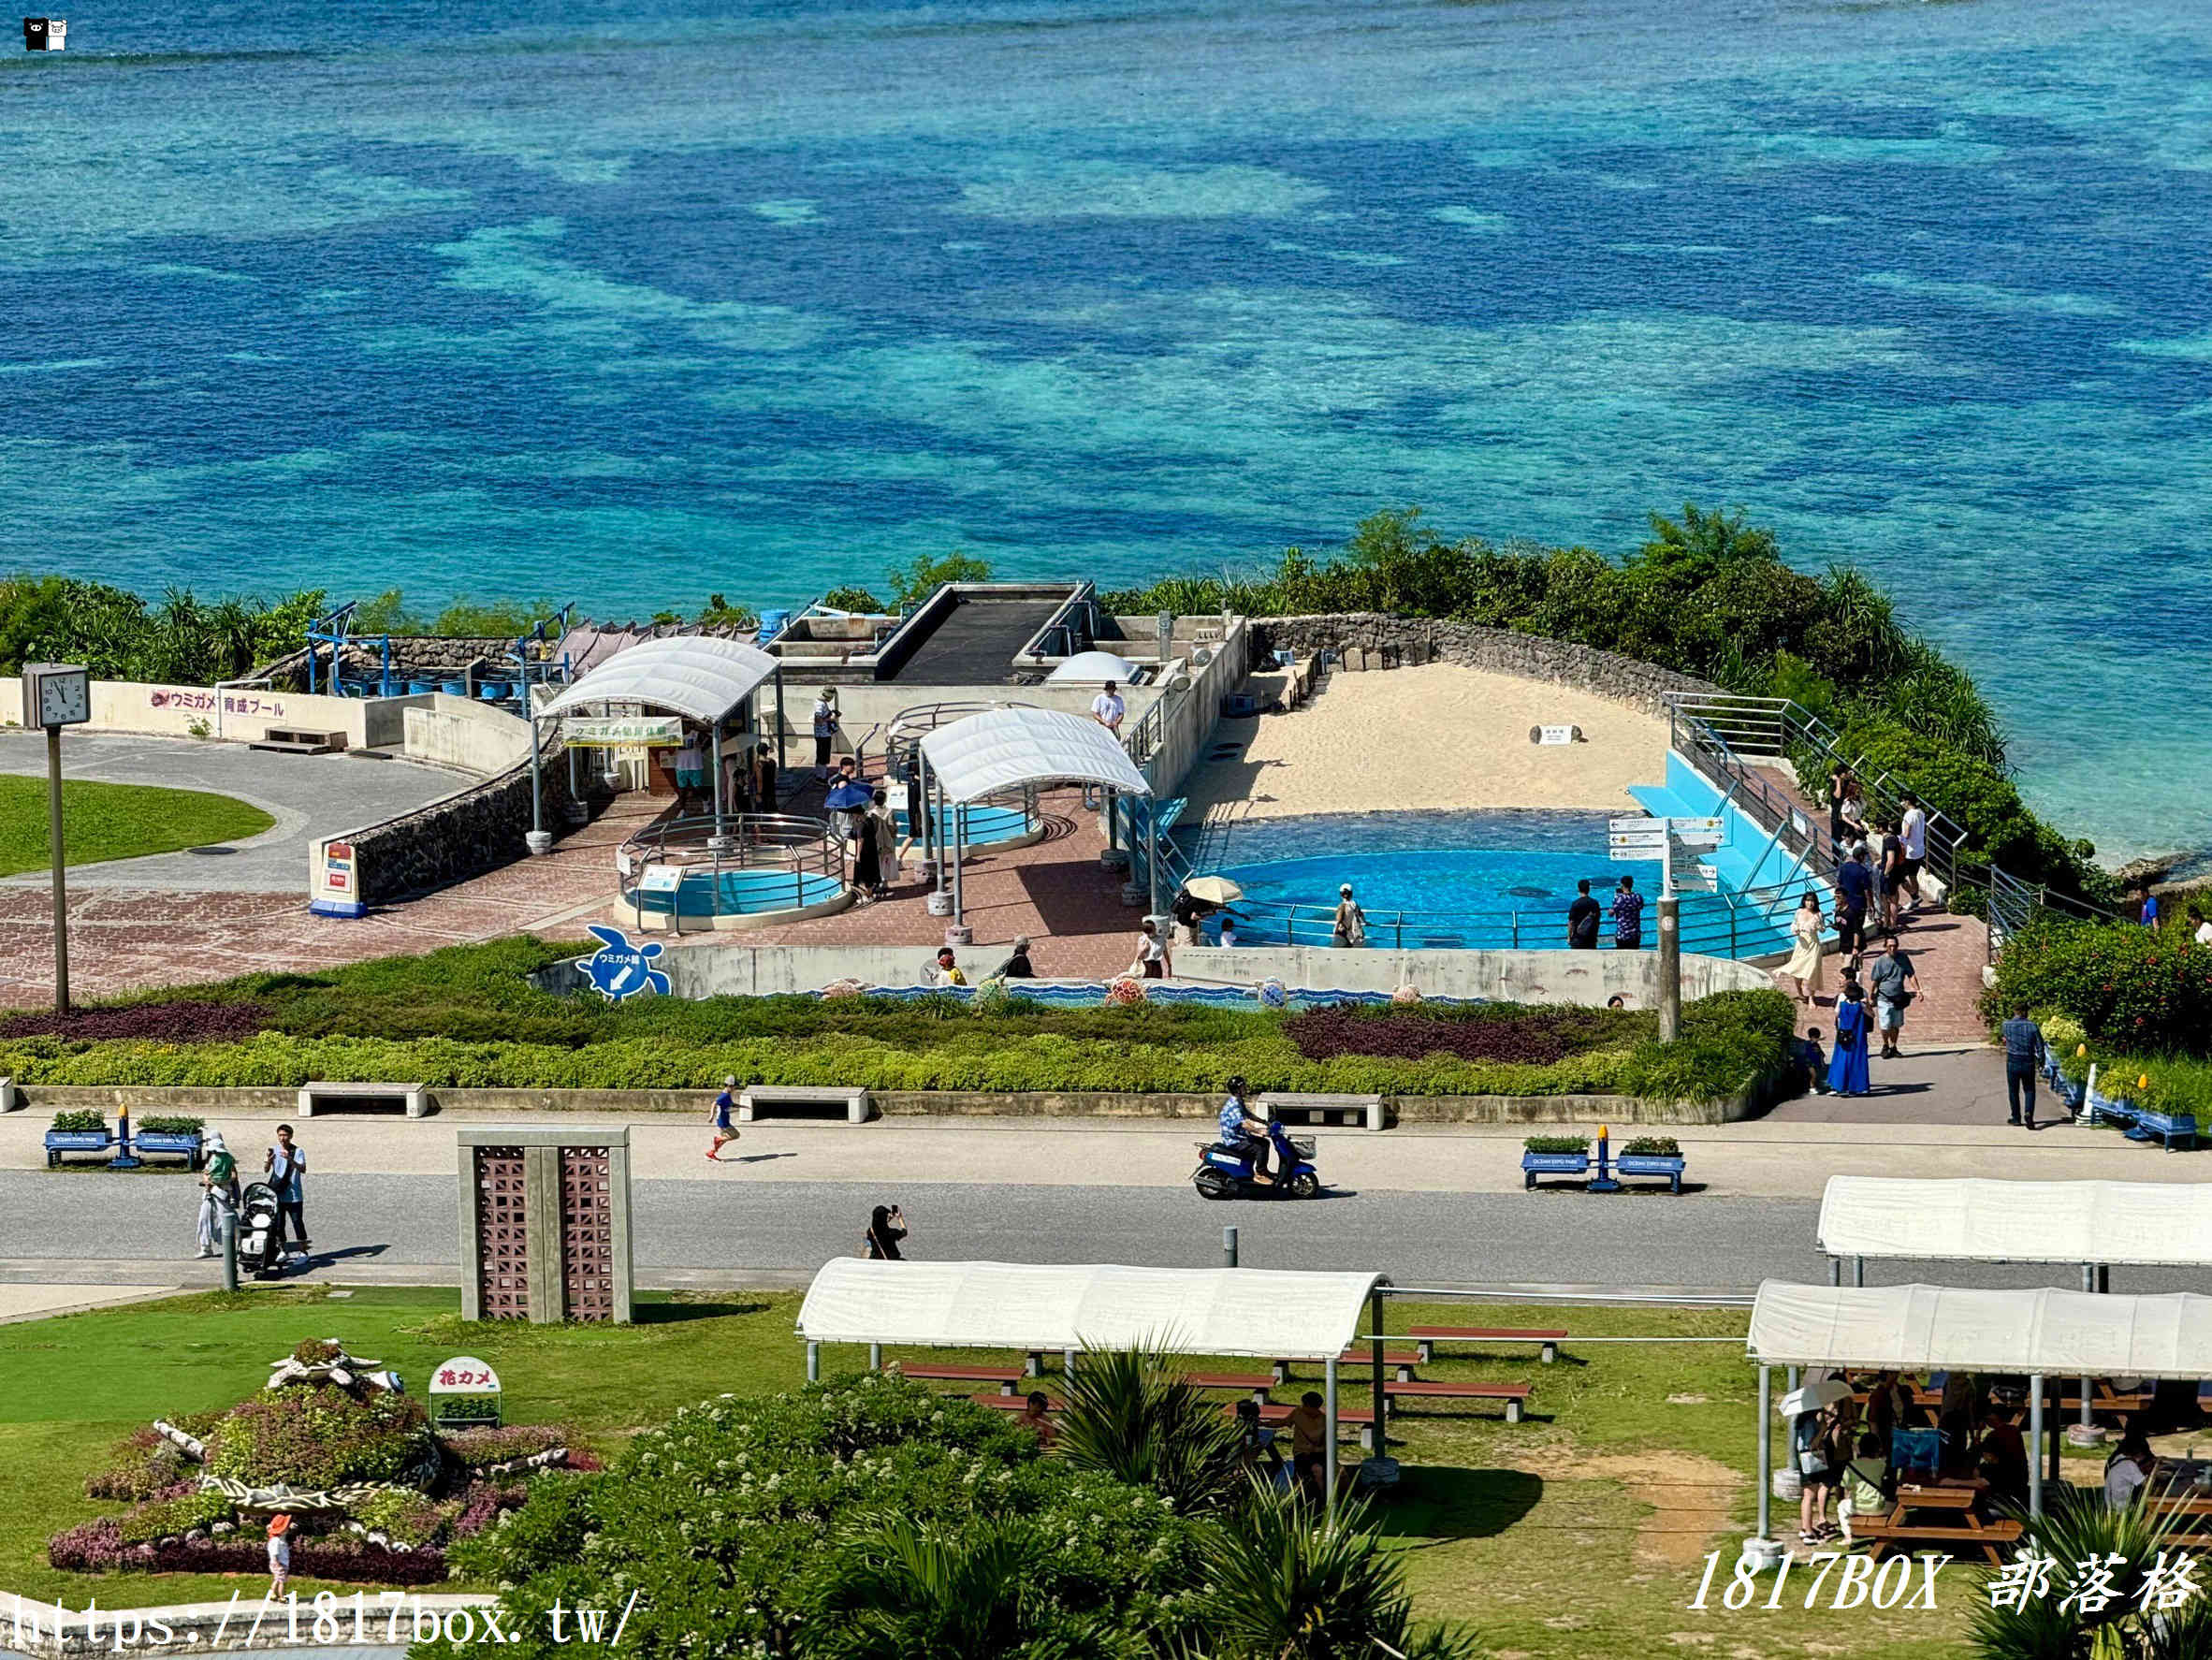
pixel 462 834
pixel 1373 639
pixel 626 1104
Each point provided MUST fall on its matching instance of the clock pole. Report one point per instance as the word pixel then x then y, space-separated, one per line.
pixel 60 896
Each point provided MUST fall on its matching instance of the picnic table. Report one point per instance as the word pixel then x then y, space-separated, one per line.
pixel 1942 1514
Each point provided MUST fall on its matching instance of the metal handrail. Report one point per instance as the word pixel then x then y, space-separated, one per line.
pixel 743 842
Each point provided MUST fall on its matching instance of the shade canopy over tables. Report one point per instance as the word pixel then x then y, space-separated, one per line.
pixel 2162 1224
pixel 1037 1308
pixel 1011 747
pixel 2037 1334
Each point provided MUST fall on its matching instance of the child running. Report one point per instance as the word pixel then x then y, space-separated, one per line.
pixel 724 1104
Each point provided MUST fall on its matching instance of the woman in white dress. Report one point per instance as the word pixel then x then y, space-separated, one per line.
pixel 1806 953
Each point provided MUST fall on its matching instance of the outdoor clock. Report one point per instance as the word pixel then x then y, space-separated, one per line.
pixel 56 694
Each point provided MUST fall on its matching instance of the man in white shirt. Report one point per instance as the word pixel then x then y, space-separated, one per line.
pixel 1913 831
pixel 1107 709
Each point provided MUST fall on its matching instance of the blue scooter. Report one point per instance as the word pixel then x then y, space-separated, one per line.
pixel 1224 1173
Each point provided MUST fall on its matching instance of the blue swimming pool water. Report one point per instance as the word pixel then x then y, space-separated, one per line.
pixel 981 823
pixel 733 892
pixel 1426 880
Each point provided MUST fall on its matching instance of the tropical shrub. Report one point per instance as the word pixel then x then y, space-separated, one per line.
pixel 1652 1147
pixel 740 1522
pixel 184 1021
pixel 2142 1620
pixel 1556 1143
pixel 80 1121
pixel 1134 1415
pixel 171 1124
pixel 318 1437
pixel 851 598
pixel 2149 990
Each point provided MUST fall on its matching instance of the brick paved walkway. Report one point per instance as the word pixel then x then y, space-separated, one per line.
pixel 124 939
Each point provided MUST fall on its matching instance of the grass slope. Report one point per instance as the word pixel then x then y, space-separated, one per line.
pixel 102 822
pixel 1578 1533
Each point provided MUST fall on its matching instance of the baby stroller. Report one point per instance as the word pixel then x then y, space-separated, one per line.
pixel 260 1248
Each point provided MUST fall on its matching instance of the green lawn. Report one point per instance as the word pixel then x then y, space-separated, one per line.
pixel 101 822
pixel 1580 1532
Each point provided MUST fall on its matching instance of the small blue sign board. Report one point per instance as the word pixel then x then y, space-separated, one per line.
pixel 619 968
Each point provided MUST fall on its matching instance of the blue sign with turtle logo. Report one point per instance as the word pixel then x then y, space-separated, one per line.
pixel 619 968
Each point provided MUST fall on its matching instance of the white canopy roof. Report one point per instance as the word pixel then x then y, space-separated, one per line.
pixel 2168 1224
pixel 1208 1311
pixel 695 674
pixel 1004 749
pixel 1916 1328
pixel 1094 665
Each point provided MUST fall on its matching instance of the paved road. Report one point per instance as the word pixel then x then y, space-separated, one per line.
pixel 309 796
pixel 1653 1240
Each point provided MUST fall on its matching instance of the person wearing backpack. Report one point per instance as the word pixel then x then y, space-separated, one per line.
pixel 1351 921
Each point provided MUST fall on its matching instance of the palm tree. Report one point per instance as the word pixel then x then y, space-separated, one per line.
pixel 2044 1622
pixel 949 1592
pixel 1131 1414
pixel 1284 1582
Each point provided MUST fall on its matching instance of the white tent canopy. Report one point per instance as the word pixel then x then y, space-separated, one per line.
pixel 1916 1328
pixel 1979 1221
pixel 695 674
pixel 1099 666
pixel 1005 749
pixel 1210 1311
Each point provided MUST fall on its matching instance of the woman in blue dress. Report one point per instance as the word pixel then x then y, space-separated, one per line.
pixel 1847 1067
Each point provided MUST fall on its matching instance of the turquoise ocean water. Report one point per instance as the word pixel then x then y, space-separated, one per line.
pixel 627 303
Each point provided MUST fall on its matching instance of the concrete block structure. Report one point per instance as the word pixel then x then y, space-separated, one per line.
pixel 545 1224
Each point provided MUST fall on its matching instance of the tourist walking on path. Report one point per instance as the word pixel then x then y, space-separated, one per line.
pixel 826 729
pixel 1350 929
pixel 1152 961
pixel 1628 916
pixel 2148 916
pixel 218 1195
pixel 867 853
pixel 1582 918
pixel 2023 1053
pixel 1840 781
pixel 887 1225
pixel 1847 1062
pixel 1895 986
pixel 286 1166
pixel 1890 871
pixel 1108 711
pixel 719 1115
pixel 1017 965
pixel 884 825
pixel 1912 830
pixel 1854 891
pixel 764 780
pixel 1807 955
pixel 1852 811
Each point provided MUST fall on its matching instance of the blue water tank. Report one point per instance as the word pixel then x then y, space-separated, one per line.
pixel 772 625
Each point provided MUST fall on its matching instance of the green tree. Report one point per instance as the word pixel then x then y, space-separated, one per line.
pixel 386 614
pixel 464 618
pixel 851 598
pixel 920 577
pixel 718 613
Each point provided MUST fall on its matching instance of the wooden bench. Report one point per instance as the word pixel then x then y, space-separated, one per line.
pixel 1016 1403
pixel 294 740
pixel 1275 1414
pixel 1430 1336
pixel 1514 1394
pixel 415 1097
pixel 1985 1536
pixel 1350 1110
pixel 1255 1384
pixel 1401 1360
pixel 1006 1377
pixel 853 1102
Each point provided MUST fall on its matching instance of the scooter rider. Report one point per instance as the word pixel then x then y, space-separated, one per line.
pixel 1245 1132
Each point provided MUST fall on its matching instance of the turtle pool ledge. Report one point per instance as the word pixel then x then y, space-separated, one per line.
pixel 950 1103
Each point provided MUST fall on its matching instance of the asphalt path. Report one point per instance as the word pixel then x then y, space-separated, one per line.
pixel 1564 1238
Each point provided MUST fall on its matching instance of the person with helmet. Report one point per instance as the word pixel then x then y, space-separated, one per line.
pixel 1245 1131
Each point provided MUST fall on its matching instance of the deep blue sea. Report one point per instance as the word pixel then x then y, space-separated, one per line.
pixel 630 303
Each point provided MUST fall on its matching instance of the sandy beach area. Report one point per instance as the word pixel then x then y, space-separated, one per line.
pixel 1439 736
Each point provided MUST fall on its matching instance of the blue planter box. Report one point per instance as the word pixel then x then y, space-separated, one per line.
pixel 59 1141
pixel 1652 1164
pixel 162 1141
pixel 1552 1164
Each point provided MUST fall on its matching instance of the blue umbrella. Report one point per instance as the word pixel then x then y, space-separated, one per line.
pixel 848 794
